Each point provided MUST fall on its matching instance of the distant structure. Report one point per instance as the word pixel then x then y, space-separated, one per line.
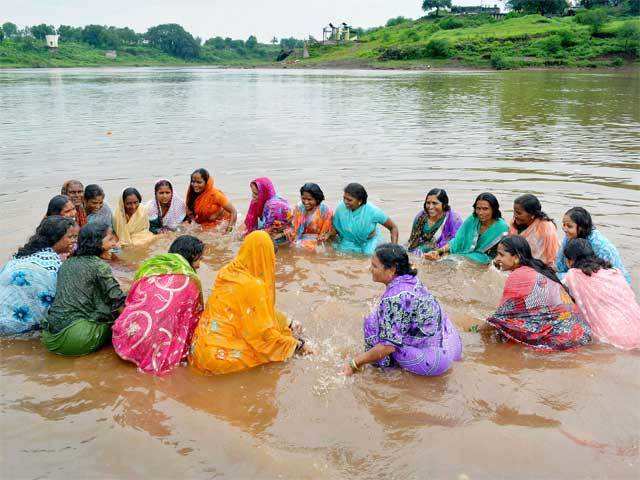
pixel 111 54
pixel 52 41
pixel 332 35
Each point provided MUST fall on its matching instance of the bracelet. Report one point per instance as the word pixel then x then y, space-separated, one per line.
pixel 354 366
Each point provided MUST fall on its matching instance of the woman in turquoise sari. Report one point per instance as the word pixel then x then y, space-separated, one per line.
pixel 478 237
pixel 356 223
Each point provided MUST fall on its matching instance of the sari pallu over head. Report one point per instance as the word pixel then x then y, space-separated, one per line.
pixel 440 237
pixel 134 231
pixel 470 243
pixel 266 191
pixel 175 215
pixel 209 204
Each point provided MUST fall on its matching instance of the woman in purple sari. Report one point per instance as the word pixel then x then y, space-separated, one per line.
pixel 435 225
pixel 409 329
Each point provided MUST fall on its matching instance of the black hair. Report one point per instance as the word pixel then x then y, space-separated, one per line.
pixel 159 184
pixel 493 202
pixel 394 255
pixel 188 246
pixel 48 233
pixel 519 247
pixel 357 191
pixel 56 205
pixel 442 197
pixel 532 206
pixel 314 190
pixel 579 251
pixel 90 239
pixel 582 219
pixel 131 191
pixel 93 191
pixel 191 194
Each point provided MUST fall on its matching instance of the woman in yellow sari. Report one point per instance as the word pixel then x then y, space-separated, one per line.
pixel 240 327
pixel 131 219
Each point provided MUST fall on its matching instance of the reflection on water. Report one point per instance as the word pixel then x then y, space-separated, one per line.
pixel 571 138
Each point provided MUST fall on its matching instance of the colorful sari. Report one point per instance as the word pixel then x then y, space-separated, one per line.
pixel 425 237
pixel 358 229
pixel 134 231
pixel 538 312
pixel 608 305
pixel 174 217
pixel 162 309
pixel 208 208
pixel 27 289
pixel 542 238
pixel 410 319
pixel 477 247
pixel 268 212
pixel 308 226
pixel 240 327
pixel 602 248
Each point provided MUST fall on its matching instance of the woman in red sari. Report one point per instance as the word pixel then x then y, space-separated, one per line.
pixel 207 205
pixel 535 308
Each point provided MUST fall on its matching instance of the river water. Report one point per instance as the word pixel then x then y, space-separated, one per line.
pixel 570 138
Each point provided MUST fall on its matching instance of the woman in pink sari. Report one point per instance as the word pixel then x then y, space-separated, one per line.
pixel 162 309
pixel 268 211
pixel 603 295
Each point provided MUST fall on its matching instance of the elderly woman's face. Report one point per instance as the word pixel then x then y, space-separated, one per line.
pixel 308 201
pixel 379 273
pixel 75 193
pixel 352 203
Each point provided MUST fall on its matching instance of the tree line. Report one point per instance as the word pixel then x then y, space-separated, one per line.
pixel 546 7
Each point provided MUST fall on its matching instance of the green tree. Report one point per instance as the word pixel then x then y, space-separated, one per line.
pixel 1 34
pixel 632 7
pixel 437 4
pixel 215 42
pixel 542 7
pixel 291 43
pixel 392 22
pixel 594 18
pixel 171 38
pixel 92 34
pixel 127 36
pixel 70 34
pixel 42 30
pixel 10 29
pixel 629 33
pixel 252 42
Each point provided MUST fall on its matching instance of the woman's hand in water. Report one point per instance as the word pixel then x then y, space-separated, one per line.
pixel 347 370
pixel 296 329
pixel 433 255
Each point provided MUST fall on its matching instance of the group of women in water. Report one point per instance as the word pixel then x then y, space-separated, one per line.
pixel 557 296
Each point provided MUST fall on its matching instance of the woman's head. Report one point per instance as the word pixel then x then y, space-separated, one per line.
pixel 55 232
pixel 526 209
pixel 93 198
pixel 199 179
pixel 354 196
pixel 311 195
pixel 164 192
pixel 577 223
pixel 486 207
pixel 74 190
pixel 579 254
pixel 61 205
pixel 131 199
pixel 436 203
pixel 190 247
pixel 514 252
pixel 96 239
pixel 389 261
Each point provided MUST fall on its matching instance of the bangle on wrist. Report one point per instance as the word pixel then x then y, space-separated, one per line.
pixel 354 366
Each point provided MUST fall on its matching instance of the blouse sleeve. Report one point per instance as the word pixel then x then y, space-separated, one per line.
pixel 378 215
pixel 112 293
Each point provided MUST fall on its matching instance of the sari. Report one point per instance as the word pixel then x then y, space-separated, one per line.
pixel 86 304
pixel 542 238
pixel 602 248
pixel 134 231
pixel 162 309
pixel 103 216
pixel 209 204
pixel 269 212
pixel 538 312
pixel 172 219
pixel 477 247
pixel 608 305
pixel 240 327
pixel 308 226
pixel 27 289
pixel 425 238
pixel 410 319
pixel 358 229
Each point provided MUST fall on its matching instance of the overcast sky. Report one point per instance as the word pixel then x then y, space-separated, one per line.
pixel 208 18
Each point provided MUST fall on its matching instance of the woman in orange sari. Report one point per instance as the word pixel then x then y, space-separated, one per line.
pixel 207 205
pixel 240 327
pixel 530 222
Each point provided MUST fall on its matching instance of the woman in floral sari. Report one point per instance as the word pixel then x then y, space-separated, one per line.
pixel 312 219
pixel 435 225
pixel 162 309
pixel 409 329
pixel 535 308
pixel 208 206
pixel 530 222
pixel 268 211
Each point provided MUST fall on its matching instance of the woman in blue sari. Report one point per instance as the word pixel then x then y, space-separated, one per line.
pixel 28 280
pixel 356 223
pixel 478 237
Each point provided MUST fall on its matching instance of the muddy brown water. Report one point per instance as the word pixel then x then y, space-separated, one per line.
pixel 503 412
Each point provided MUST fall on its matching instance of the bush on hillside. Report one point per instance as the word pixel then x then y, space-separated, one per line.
pixel 450 23
pixel 568 38
pixel 629 34
pixel 594 18
pixel 438 48
pixel 410 36
pixel 500 62
pixel 392 22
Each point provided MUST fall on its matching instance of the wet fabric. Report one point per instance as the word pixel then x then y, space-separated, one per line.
pixel 103 216
pixel 240 327
pixel 209 204
pixel 358 230
pixel 172 219
pixel 27 290
pixel 608 305
pixel 308 226
pixel 269 212
pixel 602 248
pixel 135 230
pixel 539 313
pixel 542 237
pixel 266 191
pixel 479 248
pixel 162 309
pixel 425 238
pixel 410 319
pixel 87 294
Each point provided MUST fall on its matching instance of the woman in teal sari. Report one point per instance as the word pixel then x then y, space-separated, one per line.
pixel 478 237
